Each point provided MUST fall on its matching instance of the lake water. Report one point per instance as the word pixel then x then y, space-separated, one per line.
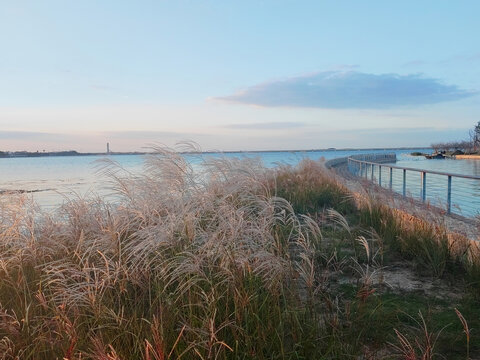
pixel 56 179
pixel 465 195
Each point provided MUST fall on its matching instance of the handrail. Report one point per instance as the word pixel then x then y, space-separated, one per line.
pixel 464 176
pixel 365 166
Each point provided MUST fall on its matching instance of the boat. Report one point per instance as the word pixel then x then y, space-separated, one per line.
pixel 435 156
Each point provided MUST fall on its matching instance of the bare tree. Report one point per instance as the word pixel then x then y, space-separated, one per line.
pixel 475 137
pixel 476 132
pixel 464 145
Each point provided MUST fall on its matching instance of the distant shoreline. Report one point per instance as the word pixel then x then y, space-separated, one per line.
pixel 27 154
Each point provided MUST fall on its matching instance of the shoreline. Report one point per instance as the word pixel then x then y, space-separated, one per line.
pixel 467 157
pixel 26 154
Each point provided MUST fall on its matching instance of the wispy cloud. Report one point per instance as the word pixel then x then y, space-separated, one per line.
pixel 344 67
pixel 414 63
pixel 350 90
pixel 101 87
pixel 452 60
pixel 463 58
pixel 308 137
pixel 266 125
pixel 95 141
pixel 38 140
pixel 29 135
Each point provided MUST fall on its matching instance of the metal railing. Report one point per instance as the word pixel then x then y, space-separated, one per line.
pixel 456 193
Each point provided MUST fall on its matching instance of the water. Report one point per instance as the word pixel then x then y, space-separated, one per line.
pixel 465 195
pixel 55 179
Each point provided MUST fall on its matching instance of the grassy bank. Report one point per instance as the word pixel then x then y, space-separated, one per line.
pixel 232 261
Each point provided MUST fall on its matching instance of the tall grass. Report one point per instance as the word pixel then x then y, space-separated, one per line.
pixel 310 188
pixel 190 263
pixel 222 259
pixel 427 242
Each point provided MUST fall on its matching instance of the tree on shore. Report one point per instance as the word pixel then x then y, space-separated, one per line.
pixel 468 146
pixel 475 136
pixel 464 145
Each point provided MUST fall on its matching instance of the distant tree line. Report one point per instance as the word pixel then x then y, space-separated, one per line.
pixel 464 145
pixel 37 153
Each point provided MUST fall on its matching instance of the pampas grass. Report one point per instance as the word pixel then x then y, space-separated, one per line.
pixel 187 262
pixel 211 258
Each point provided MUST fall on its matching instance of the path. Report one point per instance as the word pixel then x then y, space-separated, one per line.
pixel 467 227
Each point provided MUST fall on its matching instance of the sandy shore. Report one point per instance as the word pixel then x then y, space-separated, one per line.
pixel 471 157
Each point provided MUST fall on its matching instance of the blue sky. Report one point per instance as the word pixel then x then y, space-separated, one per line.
pixel 237 75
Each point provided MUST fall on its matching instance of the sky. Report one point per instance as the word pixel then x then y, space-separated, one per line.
pixel 237 75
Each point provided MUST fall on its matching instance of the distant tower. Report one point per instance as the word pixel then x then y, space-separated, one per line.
pixel 108 148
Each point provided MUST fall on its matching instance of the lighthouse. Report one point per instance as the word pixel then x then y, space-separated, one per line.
pixel 108 148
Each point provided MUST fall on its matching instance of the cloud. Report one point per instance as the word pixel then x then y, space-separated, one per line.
pixel 29 135
pixel 349 90
pixel 414 63
pixel 136 134
pixel 452 60
pixel 464 58
pixel 101 87
pixel 307 137
pixel 344 67
pixel 38 141
pixel 95 141
pixel 266 126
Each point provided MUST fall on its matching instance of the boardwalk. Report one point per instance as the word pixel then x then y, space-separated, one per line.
pixel 454 223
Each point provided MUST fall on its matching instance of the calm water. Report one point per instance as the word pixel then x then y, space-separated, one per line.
pixel 465 192
pixel 59 178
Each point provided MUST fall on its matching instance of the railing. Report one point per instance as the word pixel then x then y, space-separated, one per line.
pixel 464 200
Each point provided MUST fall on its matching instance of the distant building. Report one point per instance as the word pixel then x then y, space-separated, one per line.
pixel 108 148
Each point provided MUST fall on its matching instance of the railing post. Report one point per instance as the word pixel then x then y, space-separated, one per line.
pixel 391 178
pixel 424 186
pixel 449 195
pixel 366 166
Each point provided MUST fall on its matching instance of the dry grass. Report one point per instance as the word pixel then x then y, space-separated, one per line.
pixel 217 259
pixel 189 263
